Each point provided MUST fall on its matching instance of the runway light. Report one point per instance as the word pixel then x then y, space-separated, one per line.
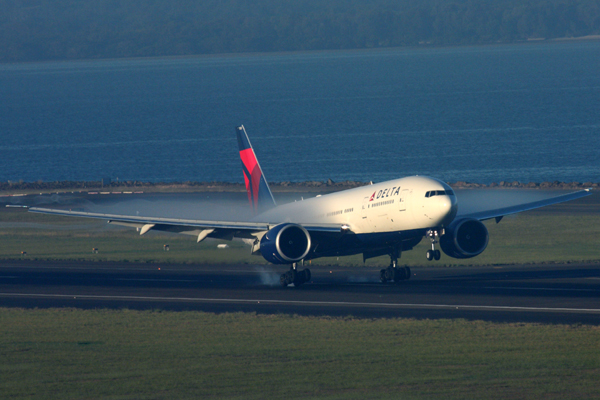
pixel 159 269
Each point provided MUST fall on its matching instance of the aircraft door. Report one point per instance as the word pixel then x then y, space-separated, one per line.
pixel 404 197
pixel 365 206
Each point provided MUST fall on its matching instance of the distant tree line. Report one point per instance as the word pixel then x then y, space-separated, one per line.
pixel 75 29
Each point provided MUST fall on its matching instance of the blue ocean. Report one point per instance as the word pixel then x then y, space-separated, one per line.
pixel 528 112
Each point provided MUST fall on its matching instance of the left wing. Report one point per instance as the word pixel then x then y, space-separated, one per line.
pixel 201 228
pixel 498 213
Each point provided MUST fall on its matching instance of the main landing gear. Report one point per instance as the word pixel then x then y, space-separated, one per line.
pixel 298 278
pixel 394 272
pixel 433 236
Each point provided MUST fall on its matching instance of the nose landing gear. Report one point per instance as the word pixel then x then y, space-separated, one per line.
pixel 433 236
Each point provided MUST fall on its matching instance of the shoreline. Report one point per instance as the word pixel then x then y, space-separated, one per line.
pixel 418 46
pixel 24 188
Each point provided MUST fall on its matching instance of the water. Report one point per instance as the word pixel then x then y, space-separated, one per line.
pixel 478 114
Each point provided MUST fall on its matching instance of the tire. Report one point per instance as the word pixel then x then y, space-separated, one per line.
pixel 437 255
pixel 429 255
pixel 399 275
pixel 307 275
pixel 382 277
pixel 407 270
pixel 389 274
pixel 302 277
pixel 296 277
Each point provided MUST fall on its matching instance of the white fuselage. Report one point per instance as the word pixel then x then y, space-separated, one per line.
pixel 415 202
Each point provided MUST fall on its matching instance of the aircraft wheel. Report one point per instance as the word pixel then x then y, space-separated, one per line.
pixel 429 255
pixel 283 280
pixel 437 255
pixel 382 277
pixel 390 274
pixel 399 275
pixel 407 270
pixel 307 275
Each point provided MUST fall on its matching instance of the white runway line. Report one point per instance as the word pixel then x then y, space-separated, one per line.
pixel 156 280
pixel 308 303
pixel 542 288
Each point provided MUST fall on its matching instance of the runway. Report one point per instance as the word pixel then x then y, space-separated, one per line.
pixel 560 294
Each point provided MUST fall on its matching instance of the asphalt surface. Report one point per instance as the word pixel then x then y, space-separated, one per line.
pixel 557 294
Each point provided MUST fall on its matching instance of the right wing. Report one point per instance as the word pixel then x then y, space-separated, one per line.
pixel 498 213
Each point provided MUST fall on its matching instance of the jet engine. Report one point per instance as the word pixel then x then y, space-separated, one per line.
pixel 465 238
pixel 285 244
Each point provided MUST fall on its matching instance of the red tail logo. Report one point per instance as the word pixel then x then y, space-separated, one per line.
pixel 252 175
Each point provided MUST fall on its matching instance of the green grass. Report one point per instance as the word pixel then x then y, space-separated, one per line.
pixel 525 238
pixel 103 354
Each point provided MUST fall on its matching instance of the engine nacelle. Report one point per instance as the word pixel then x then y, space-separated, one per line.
pixel 285 244
pixel 465 238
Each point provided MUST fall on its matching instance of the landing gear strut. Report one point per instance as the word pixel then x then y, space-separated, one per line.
pixel 433 236
pixel 394 272
pixel 295 276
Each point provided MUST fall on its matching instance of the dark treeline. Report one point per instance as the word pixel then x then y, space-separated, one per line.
pixel 75 29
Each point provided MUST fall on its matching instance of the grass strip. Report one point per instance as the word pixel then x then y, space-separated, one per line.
pixel 125 354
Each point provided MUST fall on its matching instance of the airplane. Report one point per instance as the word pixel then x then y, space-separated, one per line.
pixel 380 219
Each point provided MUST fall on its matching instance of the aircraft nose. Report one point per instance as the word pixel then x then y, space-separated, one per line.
pixel 448 207
pixel 439 210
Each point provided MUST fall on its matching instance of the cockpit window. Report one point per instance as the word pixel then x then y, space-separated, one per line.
pixel 432 193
